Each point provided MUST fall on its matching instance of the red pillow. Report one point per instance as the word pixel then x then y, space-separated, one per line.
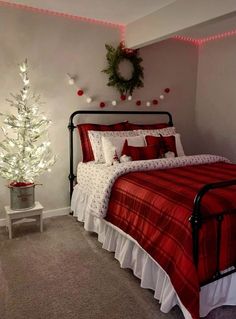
pixel 138 153
pixel 132 126
pixel 84 138
pixel 166 143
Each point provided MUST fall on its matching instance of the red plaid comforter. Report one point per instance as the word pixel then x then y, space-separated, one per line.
pixel 154 208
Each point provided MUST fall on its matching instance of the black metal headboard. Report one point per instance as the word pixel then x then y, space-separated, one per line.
pixel 72 126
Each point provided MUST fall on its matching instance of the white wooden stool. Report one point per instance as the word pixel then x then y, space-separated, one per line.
pixel 16 215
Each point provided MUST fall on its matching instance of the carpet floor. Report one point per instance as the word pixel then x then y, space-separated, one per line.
pixel 63 273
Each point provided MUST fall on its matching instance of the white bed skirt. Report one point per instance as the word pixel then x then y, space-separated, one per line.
pixel 130 255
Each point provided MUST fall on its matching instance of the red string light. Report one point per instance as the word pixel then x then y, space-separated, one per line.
pixel 200 41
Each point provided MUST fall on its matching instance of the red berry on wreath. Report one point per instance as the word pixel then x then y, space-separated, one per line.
pixel 123 97
pixel 102 104
pixel 138 103
pixel 167 90
pixel 154 102
pixel 80 92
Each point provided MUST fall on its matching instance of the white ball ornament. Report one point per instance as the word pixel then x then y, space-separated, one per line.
pixel 130 98
pixel 148 103
pixel 71 81
pixel 89 100
pixel 162 97
pixel 114 102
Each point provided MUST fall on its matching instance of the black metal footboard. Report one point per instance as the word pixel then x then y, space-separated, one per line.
pixel 196 221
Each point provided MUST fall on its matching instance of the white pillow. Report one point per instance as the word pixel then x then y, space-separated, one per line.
pixel 112 146
pixel 179 146
pixel 168 131
pixel 95 138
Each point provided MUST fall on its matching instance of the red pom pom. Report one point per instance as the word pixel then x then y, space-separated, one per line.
pixel 167 90
pixel 80 92
pixel 123 97
pixel 102 104
pixel 138 103
pixel 154 102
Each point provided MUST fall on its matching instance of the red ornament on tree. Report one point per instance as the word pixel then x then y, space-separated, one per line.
pixel 154 102
pixel 102 104
pixel 167 90
pixel 138 103
pixel 80 92
pixel 123 97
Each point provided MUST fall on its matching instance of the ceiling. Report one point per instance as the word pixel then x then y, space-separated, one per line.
pixel 213 27
pixel 115 11
pixel 123 12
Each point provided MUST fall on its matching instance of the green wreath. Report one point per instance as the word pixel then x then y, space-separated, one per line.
pixel 114 57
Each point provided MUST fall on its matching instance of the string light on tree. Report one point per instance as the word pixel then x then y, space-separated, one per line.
pixel 25 152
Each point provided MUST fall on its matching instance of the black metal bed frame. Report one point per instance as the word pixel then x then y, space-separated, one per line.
pixel 196 218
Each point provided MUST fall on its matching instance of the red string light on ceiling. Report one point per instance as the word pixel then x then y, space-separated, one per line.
pixel 200 41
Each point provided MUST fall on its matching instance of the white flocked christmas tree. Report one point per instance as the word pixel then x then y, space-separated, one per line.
pixel 25 151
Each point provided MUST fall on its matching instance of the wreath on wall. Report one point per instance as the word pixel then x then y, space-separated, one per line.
pixel 114 57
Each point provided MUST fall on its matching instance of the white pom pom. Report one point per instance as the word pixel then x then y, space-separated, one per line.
pixel 130 98
pixel 169 154
pixel 162 97
pixel 114 102
pixel 71 81
pixel 148 103
pixel 89 100
pixel 124 159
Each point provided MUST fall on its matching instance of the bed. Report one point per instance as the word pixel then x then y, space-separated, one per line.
pixel 170 219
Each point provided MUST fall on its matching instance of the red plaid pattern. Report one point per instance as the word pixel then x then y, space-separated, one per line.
pixel 132 126
pixel 84 138
pixel 166 143
pixel 154 208
pixel 138 153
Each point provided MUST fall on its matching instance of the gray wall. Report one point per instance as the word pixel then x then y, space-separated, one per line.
pixel 173 64
pixel 216 98
pixel 55 46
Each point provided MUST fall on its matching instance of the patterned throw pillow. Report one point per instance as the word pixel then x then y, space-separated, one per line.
pixel 85 142
pixel 141 153
pixel 132 126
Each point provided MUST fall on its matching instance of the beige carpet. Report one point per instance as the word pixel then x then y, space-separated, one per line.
pixel 64 273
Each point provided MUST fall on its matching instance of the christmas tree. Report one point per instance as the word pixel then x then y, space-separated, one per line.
pixel 25 152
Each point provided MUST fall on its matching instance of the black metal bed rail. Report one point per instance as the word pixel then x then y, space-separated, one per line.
pixel 196 221
pixel 72 126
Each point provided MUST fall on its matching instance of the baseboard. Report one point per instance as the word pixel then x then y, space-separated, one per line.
pixel 46 214
pixel 56 212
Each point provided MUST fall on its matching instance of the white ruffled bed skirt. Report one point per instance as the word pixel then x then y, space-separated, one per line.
pixel 131 255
